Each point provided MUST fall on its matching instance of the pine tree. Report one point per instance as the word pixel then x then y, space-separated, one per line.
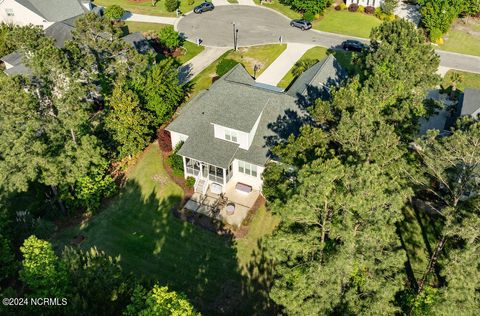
pixel 127 123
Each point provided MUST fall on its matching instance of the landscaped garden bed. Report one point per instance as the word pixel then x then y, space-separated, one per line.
pixel 145 6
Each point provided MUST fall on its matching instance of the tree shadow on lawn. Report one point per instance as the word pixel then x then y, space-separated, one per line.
pixel 155 245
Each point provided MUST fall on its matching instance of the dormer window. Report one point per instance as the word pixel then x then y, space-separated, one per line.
pixel 231 135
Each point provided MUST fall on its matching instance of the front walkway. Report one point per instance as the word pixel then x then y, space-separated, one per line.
pixel 409 12
pixel 246 2
pixel 128 16
pixel 220 2
pixel 198 63
pixel 282 65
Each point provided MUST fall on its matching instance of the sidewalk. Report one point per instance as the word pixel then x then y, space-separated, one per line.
pixel 282 65
pixel 198 63
pixel 246 2
pixel 220 2
pixel 148 18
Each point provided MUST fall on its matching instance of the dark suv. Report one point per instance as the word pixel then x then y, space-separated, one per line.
pixel 352 45
pixel 301 24
pixel 204 7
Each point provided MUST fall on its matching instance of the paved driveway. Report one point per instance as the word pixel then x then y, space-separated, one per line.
pixel 257 25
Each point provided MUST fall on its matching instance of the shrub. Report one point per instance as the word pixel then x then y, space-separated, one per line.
pixel 369 10
pixel 338 8
pixel 389 6
pixel 171 5
pixel 361 9
pixel 225 65
pixel 302 65
pixel 309 16
pixel 353 7
pixel 343 6
pixel 435 35
pixel 176 161
pixel 190 182
pixel 164 140
pixel 114 12
pixel 169 38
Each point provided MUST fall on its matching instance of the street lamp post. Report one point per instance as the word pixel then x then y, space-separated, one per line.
pixel 235 36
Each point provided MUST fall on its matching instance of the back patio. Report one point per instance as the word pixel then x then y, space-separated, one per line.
pixel 230 207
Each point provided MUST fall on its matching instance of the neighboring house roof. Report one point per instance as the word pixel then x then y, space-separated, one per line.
pixel 61 31
pixel 236 101
pixel 54 10
pixel 17 67
pixel 139 42
pixel 471 102
pixel 313 82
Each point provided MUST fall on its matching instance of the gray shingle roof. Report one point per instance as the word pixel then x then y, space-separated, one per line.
pixel 324 73
pixel 13 59
pixel 227 102
pixel 54 10
pixel 471 102
pixel 60 32
pixel 138 41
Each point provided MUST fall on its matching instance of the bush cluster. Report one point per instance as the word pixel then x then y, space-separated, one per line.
pixel 190 182
pixel 353 7
pixel 369 10
pixel 114 12
pixel 176 161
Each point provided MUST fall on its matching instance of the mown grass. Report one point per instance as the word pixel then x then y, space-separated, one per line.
pixel 283 9
pixel 347 23
pixel 138 226
pixel 469 80
pixel 262 55
pixel 462 41
pixel 144 26
pixel 145 6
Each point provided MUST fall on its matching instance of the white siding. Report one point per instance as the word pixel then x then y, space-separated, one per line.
pixel 242 137
pixel 251 135
pixel 373 3
pixel 21 15
pixel 177 138
pixel 255 182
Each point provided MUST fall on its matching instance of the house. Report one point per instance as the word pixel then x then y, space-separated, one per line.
pixel 470 103
pixel 41 12
pixel 365 3
pixel 444 119
pixel 227 132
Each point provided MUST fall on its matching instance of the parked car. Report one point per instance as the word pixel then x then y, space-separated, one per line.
pixel 204 7
pixel 352 45
pixel 301 24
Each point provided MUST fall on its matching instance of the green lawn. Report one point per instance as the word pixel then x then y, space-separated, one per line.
pixel 347 23
pixel 465 40
pixel 145 6
pixel 190 50
pixel 283 9
pixel 470 80
pixel 144 26
pixel 138 225
pixel 262 55
pixel 344 58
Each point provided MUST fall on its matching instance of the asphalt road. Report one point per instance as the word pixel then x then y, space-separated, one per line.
pixel 257 25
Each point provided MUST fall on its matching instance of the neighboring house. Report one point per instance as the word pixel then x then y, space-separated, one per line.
pixel 444 119
pixel 227 132
pixel 470 103
pixel 365 3
pixel 61 32
pixel 41 12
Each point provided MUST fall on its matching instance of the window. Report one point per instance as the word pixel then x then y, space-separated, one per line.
pixel 9 12
pixel 246 168
pixel 231 135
